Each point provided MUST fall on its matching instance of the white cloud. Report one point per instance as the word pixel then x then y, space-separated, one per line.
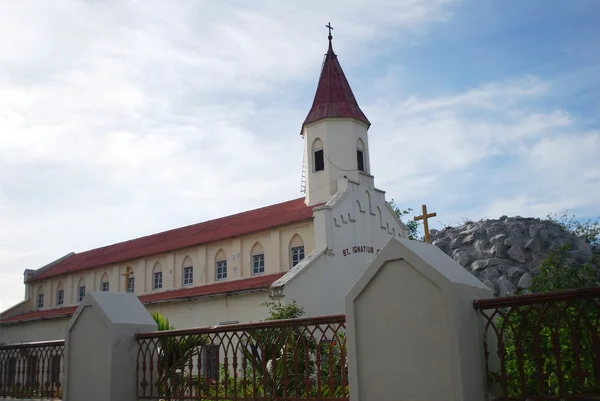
pixel 122 118
pixel 486 152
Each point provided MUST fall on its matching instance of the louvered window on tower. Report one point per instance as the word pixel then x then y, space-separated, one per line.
pixel 360 159
pixel 319 160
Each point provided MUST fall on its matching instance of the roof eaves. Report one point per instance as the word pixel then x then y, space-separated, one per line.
pixel 48 266
pixel 34 278
pixel 190 298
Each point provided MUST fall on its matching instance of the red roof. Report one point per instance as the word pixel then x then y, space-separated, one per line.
pixel 41 314
pixel 209 231
pixel 226 287
pixel 334 97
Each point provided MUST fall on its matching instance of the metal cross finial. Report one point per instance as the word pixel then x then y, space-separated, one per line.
pixel 330 28
pixel 424 217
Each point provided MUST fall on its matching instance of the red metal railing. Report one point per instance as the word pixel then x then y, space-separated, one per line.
pixel 543 346
pixel 290 359
pixel 32 370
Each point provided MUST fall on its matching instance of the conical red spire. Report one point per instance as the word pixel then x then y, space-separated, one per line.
pixel 334 98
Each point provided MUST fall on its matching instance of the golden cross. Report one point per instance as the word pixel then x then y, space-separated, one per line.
pixel 424 217
pixel 127 273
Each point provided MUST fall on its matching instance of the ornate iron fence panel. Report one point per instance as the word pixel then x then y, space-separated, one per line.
pixel 543 346
pixel 291 359
pixel 32 370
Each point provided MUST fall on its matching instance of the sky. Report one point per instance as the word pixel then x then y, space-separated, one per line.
pixel 125 118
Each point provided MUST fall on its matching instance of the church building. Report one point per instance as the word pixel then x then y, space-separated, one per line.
pixel 310 249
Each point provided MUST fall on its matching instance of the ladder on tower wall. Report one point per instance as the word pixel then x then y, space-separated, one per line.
pixel 303 179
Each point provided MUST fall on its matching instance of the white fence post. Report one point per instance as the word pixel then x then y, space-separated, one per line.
pixel 413 333
pixel 100 349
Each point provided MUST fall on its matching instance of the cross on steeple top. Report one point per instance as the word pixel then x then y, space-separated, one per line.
pixel 330 28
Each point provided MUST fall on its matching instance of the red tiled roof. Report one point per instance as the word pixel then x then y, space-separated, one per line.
pixel 208 231
pixel 212 289
pixel 226 287
pixel 334 97
pixel 41 314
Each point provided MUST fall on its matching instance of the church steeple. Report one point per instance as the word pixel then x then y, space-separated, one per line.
pixel 334 97
pixel 335 133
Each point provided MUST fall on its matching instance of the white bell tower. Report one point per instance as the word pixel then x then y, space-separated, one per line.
pixel 336 143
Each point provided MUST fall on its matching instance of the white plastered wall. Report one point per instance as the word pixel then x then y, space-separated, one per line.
pixel 275 244
pixel 208 311
pixel 340 139
pixel 37 330
pixel 349 231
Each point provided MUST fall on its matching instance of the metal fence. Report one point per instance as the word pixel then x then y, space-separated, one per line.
pixel 32 370
pixel 290 359
pixel 543 346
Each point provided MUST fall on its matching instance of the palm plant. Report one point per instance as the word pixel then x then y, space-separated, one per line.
pixel 176 359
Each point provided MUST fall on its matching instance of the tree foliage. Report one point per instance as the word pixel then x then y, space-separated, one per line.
pixel 411 225
pixel 174 354
pixel 588 229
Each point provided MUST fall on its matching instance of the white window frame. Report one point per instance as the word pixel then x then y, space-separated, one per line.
pixel 60 297
pixel 260 257
pixel 40 300
pixel 131 285
pixel 157 279
pixel 296 249
pixel 105 286
pixel 188 275
pixel 221 270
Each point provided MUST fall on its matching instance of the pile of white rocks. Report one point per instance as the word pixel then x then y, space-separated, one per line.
pixel 506 254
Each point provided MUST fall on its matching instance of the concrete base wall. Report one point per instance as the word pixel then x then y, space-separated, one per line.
pixel 199 313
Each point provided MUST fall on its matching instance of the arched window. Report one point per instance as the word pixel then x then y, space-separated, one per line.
pixel 296 250
pixel 40 297
pixel 318 155
pixel 104 283
pixel 60 293
pixel 258 259
pixel 81 290
pixel 188 271
pixel 130 280
pixel 157 276
pixel 221 265
pixel 360 155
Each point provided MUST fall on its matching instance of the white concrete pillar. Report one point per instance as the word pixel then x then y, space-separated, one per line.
pixel 412 332
pixel 100 349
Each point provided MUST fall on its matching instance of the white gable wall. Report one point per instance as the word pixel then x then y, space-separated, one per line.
pixel 349 231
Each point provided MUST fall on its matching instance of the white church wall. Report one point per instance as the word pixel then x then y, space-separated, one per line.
pixel 254 245
pixel 275 244
pixel 212 311
pixel 305 232
pixel 208 311
pixel 37 330
pixel 357 225
pixel 340 155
